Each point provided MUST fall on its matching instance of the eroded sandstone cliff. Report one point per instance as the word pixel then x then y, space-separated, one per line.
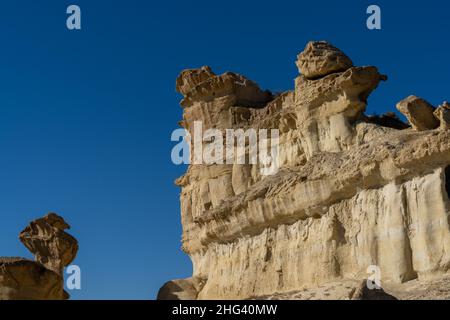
pixel 53 248
pixel 352 190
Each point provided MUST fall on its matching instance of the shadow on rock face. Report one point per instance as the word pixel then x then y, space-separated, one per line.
pixel 182 289
pixel 362 292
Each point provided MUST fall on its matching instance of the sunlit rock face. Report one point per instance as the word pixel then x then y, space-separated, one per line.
pixel 42 279
pixel 352 190
pixel 320 59
pixel 50 244
pixel 419 113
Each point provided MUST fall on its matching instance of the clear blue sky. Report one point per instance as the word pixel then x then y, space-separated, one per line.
pixel 86 116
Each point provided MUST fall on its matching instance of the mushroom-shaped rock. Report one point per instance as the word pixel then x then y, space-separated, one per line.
pixel 442 113
pixel 320 59
pixel 50 244
pixel 419 113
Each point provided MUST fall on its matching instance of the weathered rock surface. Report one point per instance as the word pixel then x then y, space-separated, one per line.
pixel 182 289
pixel 189 79
pixel 320 59
pixel 340 290
pixel 50 244
pixel 23 279
pixel 363 292
pixel 419 113
pixel 352 191
pixel 442 113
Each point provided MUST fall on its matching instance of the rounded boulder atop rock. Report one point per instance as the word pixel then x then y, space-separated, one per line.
pixel 320 58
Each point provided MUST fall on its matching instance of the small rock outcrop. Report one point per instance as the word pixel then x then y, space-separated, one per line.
pixel 189 79
pixel 442 114
pixel 42 279
pixel 363 292
pixel 182 289
pixel 352 191
pixel 320 59
pixel 50 244
pixel 419 113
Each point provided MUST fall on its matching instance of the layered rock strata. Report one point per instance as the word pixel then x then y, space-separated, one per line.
pixel 352 191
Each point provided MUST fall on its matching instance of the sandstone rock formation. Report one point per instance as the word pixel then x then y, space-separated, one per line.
pixel 352 191
pixel 419 113
pixel 182 289
pixel 22 279
pixel 442 113
pixel 320 59
pixel 46 239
